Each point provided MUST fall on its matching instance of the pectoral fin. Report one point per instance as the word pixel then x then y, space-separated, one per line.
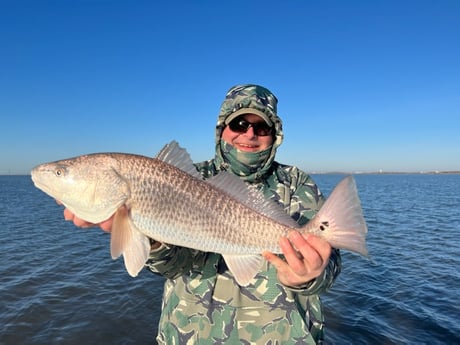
pixel 244 267
pixel 126 240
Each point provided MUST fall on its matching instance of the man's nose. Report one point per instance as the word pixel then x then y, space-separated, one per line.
pixel 250 132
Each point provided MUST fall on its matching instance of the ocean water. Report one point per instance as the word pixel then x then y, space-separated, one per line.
pixel 59 285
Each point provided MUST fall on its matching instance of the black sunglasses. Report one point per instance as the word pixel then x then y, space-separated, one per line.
pixel 261 129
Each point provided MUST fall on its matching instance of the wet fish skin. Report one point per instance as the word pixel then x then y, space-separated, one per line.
pixel 166 199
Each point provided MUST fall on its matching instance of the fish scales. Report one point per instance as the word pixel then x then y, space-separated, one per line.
pixel 169 205
pixel 167 200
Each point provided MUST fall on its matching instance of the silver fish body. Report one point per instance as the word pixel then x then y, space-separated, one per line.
pixel 166 199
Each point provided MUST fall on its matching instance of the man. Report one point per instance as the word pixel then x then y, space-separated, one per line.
pixel 202 303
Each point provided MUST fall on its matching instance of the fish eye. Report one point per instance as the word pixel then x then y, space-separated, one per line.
pixel 59 172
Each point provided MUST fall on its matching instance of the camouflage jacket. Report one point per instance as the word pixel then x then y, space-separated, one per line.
pixel 202 303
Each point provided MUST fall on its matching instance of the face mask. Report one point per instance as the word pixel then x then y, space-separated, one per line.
pixel 244 164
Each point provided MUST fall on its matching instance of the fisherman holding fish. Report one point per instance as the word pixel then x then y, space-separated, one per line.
pixel 205 300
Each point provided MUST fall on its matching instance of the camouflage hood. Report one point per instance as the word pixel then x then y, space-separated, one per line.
pixel 244 99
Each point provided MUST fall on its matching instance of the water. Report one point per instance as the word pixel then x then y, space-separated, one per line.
pixel 60 286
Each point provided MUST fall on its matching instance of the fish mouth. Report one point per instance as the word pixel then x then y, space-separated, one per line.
pixel 38 182
pixel 43 188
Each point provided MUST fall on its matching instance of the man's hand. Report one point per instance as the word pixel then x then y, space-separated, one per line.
pixel 106 225
pixel 306 257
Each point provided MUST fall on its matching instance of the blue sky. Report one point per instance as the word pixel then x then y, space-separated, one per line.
pixel 362 85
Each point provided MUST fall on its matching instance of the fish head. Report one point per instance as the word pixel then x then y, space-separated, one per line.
pixel 89 186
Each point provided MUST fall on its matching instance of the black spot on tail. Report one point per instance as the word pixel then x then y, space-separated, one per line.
pixel 324 226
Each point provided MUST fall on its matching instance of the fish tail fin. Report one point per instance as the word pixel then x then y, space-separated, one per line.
pixel 340 221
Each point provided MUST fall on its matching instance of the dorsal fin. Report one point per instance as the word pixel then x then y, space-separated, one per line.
pixel 251 196
pixel 228 183
pixel 177 156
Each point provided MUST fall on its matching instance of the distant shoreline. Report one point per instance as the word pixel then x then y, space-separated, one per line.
pixel 387 173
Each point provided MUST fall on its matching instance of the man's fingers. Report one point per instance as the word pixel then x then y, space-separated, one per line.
pixel 274 260
pixel 321 246
pixel 106 225
pixel 68 215
pixel 293 257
